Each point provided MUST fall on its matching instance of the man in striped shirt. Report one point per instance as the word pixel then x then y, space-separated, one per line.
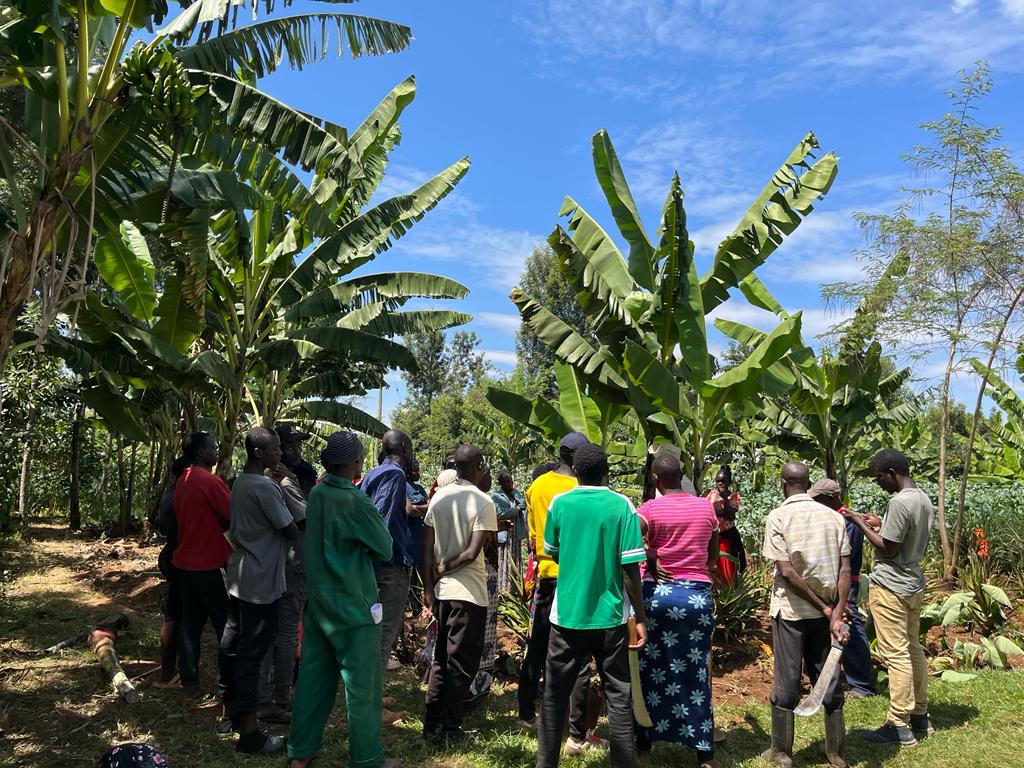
pixel 808 543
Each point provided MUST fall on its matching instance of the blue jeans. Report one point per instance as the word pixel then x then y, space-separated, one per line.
pixel 857 657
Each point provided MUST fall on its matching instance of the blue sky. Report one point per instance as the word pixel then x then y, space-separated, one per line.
pixel 713 88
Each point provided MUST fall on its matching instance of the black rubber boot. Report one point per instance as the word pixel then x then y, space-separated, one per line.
pixel 781 751
pixel 835 738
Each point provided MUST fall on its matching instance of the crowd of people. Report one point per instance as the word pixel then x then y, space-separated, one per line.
pixel 305 578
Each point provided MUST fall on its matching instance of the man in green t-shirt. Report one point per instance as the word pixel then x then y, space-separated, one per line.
pixel 897 595
pixel 593 534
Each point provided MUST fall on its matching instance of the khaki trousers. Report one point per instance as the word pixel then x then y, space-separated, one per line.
pixel 897 627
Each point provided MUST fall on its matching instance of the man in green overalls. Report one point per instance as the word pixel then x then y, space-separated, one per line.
pixel 341 629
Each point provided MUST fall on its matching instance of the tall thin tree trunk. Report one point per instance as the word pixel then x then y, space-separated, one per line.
pixel 26 456
pixel 947 551
pixel 105 471
pixel 129 495
pixel 74 492
pixel 26 464
pixel 975 420
pixel 122 485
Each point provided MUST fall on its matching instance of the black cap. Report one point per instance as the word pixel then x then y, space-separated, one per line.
pixel 289 434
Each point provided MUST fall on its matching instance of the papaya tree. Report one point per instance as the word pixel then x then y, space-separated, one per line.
pixel 648 308
pixel 100 122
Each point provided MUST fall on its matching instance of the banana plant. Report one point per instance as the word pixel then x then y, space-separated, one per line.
pixel 577 410
pixel 102 122
pixel 648 308
pixel 1001 457
pixel 835 400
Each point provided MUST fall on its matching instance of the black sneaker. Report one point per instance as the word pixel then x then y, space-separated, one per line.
pixel 259 743
pixel 921 724
pixel 891 734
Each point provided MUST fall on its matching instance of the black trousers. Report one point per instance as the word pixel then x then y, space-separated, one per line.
pixel 249 631
pixel 570 651
pixel 203 598
pixel 460 642
pixel 799 646
pixel 533 666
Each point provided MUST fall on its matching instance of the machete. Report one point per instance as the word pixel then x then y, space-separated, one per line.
pixel 640 713
pixel 812 703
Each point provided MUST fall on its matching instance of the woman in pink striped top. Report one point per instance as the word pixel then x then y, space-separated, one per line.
pixel 681 533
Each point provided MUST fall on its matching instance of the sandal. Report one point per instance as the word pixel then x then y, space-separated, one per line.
pixel 174 682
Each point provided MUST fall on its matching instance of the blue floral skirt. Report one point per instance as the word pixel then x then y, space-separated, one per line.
pixel 674 662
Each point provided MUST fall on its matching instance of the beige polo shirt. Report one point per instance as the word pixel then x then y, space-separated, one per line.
pixel 812 538
pixel 455 512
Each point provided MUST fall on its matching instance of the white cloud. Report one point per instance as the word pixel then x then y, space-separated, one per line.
pixel 766 52
pixel 500 357
pixel 501 320
pixel 495 254
pixel 814 322
pixel 1013 8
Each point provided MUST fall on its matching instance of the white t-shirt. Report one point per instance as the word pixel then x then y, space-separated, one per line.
pixel 455 512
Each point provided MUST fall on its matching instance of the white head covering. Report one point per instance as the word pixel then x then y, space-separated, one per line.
pixel 447 477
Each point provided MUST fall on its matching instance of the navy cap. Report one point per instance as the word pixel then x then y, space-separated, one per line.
pixel 574 440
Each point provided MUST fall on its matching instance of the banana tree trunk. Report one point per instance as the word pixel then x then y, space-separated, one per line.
pixel 229 432
pixel 975 420
pixel 22 253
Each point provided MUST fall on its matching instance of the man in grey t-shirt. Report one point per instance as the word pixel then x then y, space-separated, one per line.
pixel 261 527
pixel 897 595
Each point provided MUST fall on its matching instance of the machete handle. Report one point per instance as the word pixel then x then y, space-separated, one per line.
pixel 844 636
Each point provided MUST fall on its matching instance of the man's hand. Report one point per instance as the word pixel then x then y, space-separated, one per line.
pixel 872 522
pixel 663 574
pixel 279 473
pixel 641 637
pixel 428 602
pixel 827 610
pixel 840 630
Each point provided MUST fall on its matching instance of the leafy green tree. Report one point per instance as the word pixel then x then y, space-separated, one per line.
pixel 962 292
pixel 102 123
pixel 648 309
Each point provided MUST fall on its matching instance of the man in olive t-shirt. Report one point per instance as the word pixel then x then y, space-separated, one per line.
pixel 897 595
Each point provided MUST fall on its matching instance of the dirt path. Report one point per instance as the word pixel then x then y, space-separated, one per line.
pixel 59 709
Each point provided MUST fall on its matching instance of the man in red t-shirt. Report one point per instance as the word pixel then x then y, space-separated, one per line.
pixel 202 507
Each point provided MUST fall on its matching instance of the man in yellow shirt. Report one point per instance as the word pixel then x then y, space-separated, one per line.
pixel 538 501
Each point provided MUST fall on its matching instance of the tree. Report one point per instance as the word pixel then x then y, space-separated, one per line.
pixel 437 409
pixel 962 291
pixel 648 310
pixel 839 397
pixel 550 283
pixel 94 141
